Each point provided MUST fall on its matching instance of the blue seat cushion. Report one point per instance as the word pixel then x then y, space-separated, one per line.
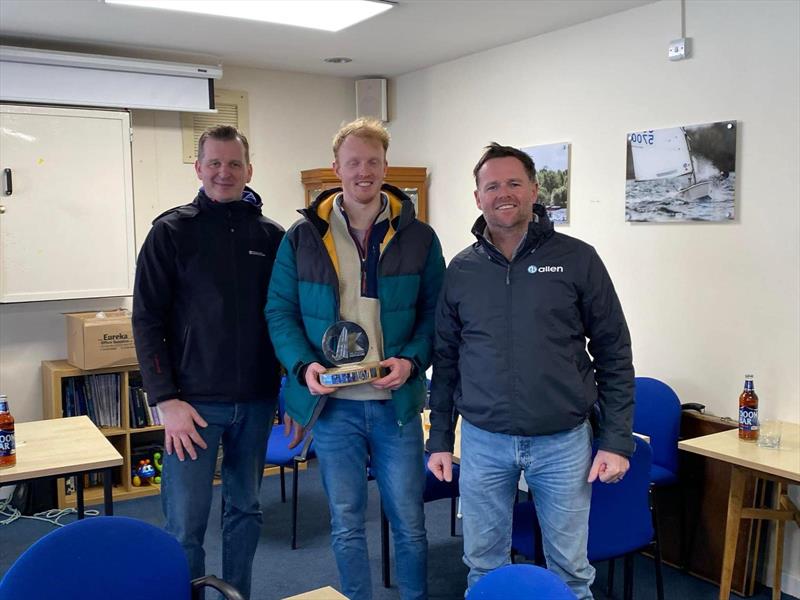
pixel 278 452
pixel 436 490
pixel 661 476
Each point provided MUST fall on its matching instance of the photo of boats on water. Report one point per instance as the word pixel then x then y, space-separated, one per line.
pixel 552 173
pixel 682 174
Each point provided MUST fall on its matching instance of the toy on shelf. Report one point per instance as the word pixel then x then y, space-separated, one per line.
pixel 144 474
pixel 157 462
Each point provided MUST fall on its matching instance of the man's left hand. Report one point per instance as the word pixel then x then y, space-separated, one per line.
pixel 293 427
pixel 399 372
pixel 609 467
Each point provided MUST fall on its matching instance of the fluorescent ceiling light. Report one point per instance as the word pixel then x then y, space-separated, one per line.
pixel 328 15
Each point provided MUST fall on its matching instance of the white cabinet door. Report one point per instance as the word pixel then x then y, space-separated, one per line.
pixel 66 228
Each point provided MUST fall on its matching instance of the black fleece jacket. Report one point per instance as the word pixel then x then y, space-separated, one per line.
pixel 198 305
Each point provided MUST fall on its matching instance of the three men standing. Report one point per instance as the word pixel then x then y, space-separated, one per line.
pixel 511 329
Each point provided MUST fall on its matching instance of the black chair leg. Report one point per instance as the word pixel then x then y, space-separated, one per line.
pixel 656 546
pixel 628 576
pixel 295 477
pixel 453 517
pixel 385 566
pixel 283 485
pixel 610 582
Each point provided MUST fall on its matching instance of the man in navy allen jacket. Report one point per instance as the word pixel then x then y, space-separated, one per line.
pixel 205 353
pixel 513 318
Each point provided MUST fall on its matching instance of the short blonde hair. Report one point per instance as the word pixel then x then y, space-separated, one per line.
pixel 365 128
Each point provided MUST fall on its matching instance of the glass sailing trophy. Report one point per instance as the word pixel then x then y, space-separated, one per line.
pixel 346 344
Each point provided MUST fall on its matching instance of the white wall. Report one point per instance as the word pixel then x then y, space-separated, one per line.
pixel 292 120
pixel 705 303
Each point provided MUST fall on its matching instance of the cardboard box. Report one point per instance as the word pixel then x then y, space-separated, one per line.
pixel 100 340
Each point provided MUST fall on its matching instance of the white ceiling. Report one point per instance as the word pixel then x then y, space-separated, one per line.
pixel 413 35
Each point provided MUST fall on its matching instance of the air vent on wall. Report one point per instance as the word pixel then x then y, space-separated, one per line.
pixel 232 109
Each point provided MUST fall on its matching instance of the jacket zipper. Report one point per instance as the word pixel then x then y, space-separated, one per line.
pixel 235 267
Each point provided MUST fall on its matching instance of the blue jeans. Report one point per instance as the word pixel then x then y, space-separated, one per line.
pixel 347 435
pixel 556 467
pixel 186 487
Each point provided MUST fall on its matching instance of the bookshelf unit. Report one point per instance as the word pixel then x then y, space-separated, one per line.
pixel 124 438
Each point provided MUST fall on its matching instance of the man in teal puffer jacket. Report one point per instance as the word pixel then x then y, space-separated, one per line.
pixel 359 254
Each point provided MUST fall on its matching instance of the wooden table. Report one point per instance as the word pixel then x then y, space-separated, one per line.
pixel 781 465
pixel 325 593
pixel 61 448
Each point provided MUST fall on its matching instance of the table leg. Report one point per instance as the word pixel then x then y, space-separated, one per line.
pixel 779 529
pixel 108 500
pixel 735 498
pixel 79 494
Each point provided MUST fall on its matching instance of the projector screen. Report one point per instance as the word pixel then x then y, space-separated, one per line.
pixel 78 86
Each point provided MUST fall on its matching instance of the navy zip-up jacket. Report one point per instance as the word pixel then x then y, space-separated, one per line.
pixel 510 353
pixel 201 286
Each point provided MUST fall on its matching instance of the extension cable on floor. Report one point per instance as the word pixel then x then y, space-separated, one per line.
pixel 52 516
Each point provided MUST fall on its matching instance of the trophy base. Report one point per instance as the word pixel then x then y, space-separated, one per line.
pixel 352 374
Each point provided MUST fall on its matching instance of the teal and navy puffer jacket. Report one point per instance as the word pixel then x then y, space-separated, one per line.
pixel 303 299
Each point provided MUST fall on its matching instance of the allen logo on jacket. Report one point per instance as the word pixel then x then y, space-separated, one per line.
pixel 548 269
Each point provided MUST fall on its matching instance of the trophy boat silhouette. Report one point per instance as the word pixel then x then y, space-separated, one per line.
pixel 345 344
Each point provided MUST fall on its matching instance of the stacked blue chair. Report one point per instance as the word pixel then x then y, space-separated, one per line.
pixel 657 414
pixel 620 522
pixel 107 557
pixel 520 581
pixel 280 455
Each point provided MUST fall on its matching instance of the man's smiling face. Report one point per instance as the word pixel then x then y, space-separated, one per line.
pixel 505 194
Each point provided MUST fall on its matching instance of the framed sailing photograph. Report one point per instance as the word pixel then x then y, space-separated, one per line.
pixel 552 173
pixel 683 173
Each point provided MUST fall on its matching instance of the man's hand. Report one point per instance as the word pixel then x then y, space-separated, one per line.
pixel 312 380
pixel 441 465
pixel 290 424
pixel 609 467
pixel 399 372
pixel 180 433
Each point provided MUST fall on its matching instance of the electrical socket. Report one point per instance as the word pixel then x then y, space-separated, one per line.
pixel 678 49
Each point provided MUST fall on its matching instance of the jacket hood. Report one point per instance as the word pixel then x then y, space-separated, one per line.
pixel 251 201
pixel 401 206
pixel 249 196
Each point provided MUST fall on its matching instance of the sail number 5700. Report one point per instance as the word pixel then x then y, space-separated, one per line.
pixel 644 137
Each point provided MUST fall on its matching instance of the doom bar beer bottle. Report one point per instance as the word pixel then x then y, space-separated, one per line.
pixel 8 450
pixel 748 411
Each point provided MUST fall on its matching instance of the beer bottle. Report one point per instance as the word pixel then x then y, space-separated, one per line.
pixel 8 450
pixel 748 411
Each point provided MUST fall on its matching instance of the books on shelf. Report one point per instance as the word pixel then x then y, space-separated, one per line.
pixel 97 396
pixel 141 413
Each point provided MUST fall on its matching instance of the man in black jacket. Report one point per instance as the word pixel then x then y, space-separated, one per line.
pixel 510 357
pixel 205 354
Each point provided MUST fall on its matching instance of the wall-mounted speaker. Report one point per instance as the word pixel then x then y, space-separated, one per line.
pixel 371 99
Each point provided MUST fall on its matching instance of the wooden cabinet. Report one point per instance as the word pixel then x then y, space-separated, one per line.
pixel 412 180
pixel 125 438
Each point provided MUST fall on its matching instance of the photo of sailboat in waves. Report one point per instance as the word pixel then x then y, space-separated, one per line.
pixel 682 173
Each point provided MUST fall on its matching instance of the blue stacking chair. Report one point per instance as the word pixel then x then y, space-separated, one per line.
pixel 107 557
pixel 520 581
pixel 657 414
pixel 620 522
pixel 280 455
